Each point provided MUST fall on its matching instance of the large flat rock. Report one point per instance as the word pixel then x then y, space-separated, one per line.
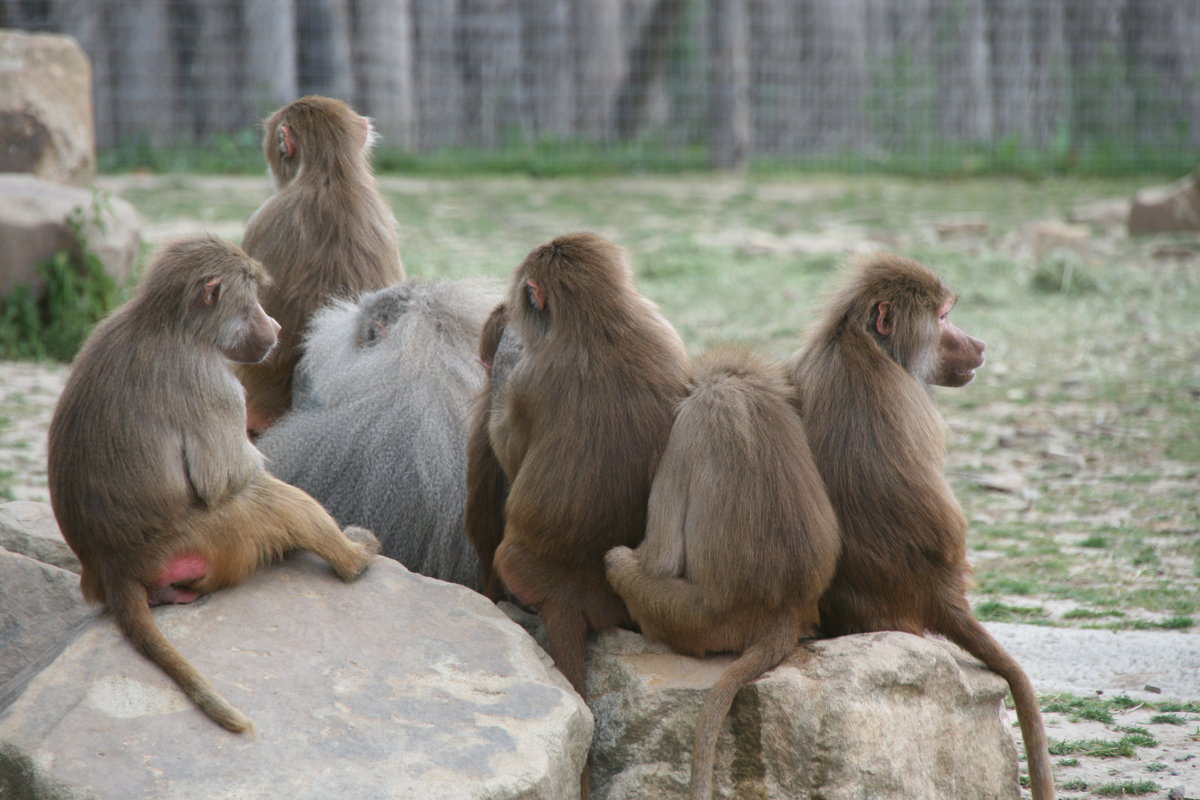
pixel 393 686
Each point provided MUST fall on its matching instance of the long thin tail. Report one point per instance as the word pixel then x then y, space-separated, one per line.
pixel 127 602
pixel 757 659
pixel 966 632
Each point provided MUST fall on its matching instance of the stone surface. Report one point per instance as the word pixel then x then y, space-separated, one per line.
pixel 46 120
pixel 40 606
pixel 33 227
pixel 29 528
pixel 1166 209
pixel 874 715
pixel 393 686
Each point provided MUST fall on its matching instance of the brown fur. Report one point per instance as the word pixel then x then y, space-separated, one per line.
pixel 740 539
pixel 587 412
pixel 152 479
pixel 861 387
pixel 487 486
pixel 326 234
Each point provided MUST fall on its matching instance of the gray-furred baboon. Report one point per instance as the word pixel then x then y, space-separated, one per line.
pixel 741 540
pixel 325 234
pixel 861 387
pixel 380 436
pixel 152 479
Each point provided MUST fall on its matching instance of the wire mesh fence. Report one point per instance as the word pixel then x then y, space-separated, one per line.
pixel 839 81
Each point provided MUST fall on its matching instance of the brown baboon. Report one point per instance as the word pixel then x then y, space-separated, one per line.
pixel 861 387
pixel 587 411
pixel 325 234
pixel 152 479
pixel 487 487
pixel 741 540
pixel 378 432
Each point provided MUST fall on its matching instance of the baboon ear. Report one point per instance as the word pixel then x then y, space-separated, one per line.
pixel 287 141
pixel 537 297
pixel 884 321
pixel 211 291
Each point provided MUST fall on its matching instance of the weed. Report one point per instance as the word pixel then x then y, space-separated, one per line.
pixel 1167 719
pixel 1074 785
pixel 1126 788
pixel 78 293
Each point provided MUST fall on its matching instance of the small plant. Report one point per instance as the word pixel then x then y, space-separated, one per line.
pixel 1068 762
pixel 1126 788
pixel 1075 785
pixel 1157 766
pixel 79 292
pixel 993 611
pixel 1167 719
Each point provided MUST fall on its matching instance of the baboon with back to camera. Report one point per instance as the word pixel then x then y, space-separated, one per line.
pixel 325 234
pixel 862 390
pixel 587 410
pixel 152 479
pixel 741 539
pixel 378 433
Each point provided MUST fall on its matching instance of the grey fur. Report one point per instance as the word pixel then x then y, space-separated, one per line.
pixel 378 435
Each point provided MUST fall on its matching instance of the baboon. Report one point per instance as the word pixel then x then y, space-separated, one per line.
pixel 152 479
pixel 325 234
pixel 586 414
pixel 378 432
pixel 741 540
pixel 487 487
pixel 862 389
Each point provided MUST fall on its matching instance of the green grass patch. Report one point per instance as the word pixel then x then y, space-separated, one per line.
pixel 1067 762
pixel 1167 719
pixel 1126 789
pixel 1075 784
pixel 992 611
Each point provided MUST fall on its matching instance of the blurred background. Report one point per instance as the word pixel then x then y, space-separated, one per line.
pixel 927 85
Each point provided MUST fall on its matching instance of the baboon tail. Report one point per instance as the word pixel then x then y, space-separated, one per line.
pixel 966 632
pixel 127 603
pixel 757 659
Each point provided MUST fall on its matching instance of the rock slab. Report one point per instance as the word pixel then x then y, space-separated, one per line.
pixel 40 606
pixel 868 716
pixel 29 528
pixel 46 121
pixel 393 686
pixel 33 227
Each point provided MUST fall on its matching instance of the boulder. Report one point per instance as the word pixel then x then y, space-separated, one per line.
pixel 33 227
pixel 40 606
pixel 29 528
pixel 1167 209
pixel 46 120
pixel 873 715
pixel 395 685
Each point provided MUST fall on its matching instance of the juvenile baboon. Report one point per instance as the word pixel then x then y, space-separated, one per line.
pixel 861 386
pixel 741 540
pixel 587 411
pixel 381 435
pixel 487 487
pixel 152 479
pixel 325 234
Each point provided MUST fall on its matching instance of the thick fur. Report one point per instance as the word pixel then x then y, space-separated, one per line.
pixel 500 347
pixel 879 442
pixel 741 540
pixel 326 234
pixel 380 435
pixel 149 465
pixel 588 408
